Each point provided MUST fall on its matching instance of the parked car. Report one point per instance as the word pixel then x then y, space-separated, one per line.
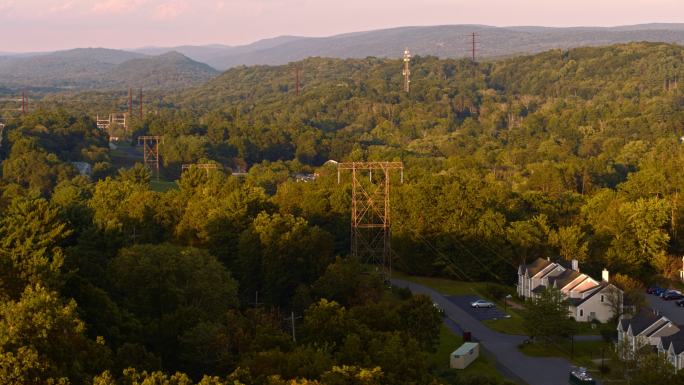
pixel 680 303
pixel 664 292
pixel 481 303
pixel 672 295
pixel 653 289
pixel 659 291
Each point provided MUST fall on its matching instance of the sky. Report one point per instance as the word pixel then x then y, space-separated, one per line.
pixel 46 25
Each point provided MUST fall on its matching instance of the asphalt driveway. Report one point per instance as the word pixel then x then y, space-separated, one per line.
pixel 480 314
pixel 503 347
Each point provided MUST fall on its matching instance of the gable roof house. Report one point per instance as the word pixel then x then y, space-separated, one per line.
pixel 645 329
pixel 589 299
pixel 673 347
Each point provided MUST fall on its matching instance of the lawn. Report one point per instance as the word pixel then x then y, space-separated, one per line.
pixel 583 355
pixel 448 342
pixel 445 286
pixel 511 325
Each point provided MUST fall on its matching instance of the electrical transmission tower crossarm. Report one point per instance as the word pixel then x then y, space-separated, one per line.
pixel 151 151
pixel 201 166
pixel 370 211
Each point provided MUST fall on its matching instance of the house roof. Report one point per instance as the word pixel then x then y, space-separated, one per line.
pixel 597 290
pixel 677 340
pixel 538 265
pixel 624 324
pixel 564 278
pixel 642 321
pixel 538 289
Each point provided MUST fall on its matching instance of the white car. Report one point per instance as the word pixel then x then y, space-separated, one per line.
pixel 481 303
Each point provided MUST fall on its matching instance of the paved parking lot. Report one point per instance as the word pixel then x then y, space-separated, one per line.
pixel 667 308
pixel 481 314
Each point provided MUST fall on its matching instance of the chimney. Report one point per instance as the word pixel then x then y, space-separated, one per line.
pixel 605 275
pixel 575 265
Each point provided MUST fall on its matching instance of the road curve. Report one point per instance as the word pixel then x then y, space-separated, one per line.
pixel 503 347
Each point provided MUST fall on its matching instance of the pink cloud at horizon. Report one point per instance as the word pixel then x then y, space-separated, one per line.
pixel 58 24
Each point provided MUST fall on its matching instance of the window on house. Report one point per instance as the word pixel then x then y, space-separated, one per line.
pixel 581 312
pixel 601 297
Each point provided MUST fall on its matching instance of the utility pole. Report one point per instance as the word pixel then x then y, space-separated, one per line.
pixel 256 302
pixel 407 70
pixel 298 74
pixel 292 319
pixel 474 46
pixel 370 214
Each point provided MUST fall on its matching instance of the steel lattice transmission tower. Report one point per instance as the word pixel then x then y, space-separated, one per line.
pixel 370 211
pixel 151 151
pixel 407 70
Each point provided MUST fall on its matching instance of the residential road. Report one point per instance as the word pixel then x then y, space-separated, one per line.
pixel 503 347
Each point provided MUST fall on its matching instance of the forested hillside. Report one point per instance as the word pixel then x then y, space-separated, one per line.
pixel 564 154
pixel 99 68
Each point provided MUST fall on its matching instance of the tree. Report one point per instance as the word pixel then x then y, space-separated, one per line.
pixel 570 242
pixel 171 291
pixel 43 341
pixel 640 240
pixel 419 319
pixel 546 317
pixel 280 252
pixel 31 233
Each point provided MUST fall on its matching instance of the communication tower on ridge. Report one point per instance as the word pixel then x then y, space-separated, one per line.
pixel 407 70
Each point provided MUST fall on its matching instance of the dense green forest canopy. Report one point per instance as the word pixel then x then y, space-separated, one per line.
pixel 565 154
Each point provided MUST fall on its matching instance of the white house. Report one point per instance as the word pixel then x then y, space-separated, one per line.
pixel 673 347
pixel 645 329
pixel 589 299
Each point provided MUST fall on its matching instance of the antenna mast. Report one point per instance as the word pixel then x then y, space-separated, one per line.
pixel 407 70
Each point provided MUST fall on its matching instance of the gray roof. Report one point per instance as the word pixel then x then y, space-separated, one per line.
pixel 564 278
pixel 538 289
pixel 538 265
pixel 643 320
pixel 677 341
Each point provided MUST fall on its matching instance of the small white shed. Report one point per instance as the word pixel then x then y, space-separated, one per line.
pixel 464 355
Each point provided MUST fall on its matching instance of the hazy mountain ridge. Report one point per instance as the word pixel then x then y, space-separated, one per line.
pixel 450 41
pixel 98 67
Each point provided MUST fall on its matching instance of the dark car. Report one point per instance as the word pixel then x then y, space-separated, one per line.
pixel 680 303
pixel 659 291
pixel 653 289
pixel 672 295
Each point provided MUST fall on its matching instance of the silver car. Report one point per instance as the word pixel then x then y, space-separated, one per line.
pixel 481 303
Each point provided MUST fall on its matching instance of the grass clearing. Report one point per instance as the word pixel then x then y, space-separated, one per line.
pixel 584 354
pixel 448 342
pixel 445 286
